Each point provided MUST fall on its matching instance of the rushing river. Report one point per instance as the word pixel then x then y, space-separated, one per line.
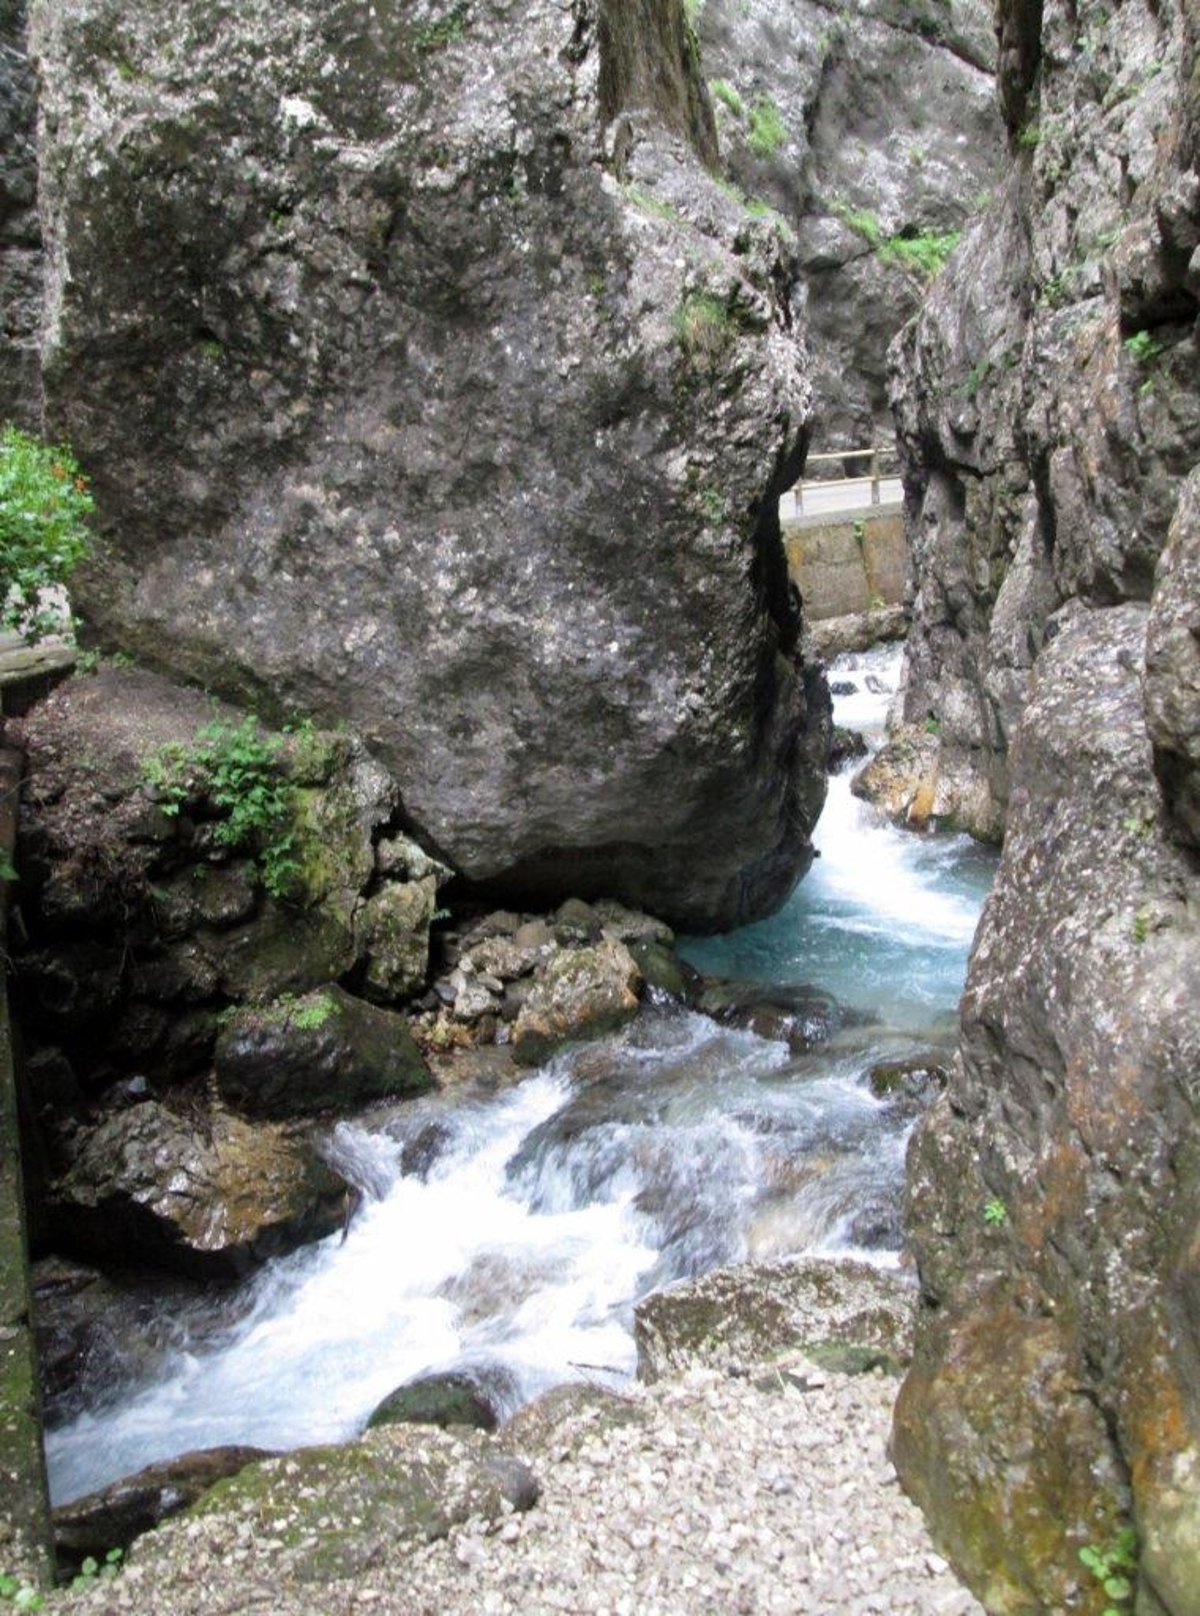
pixel 513 1233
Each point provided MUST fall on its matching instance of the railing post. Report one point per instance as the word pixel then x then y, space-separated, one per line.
pixel 875 476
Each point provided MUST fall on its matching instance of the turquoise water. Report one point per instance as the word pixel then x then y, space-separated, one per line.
pixel 885 919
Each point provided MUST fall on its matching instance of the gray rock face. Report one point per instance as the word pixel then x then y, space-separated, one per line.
pixel 20 233
pixel 1045 397
pixel 887 112
pixel 1074 1114
pixel 455 408
pixel 1173 667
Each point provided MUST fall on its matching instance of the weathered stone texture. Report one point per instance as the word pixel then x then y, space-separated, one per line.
pixel 450 410
pixel 1050 415
pixel 20 233
pixel 1045 397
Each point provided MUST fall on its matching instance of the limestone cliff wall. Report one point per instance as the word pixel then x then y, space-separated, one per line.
pixel 20 233
pixel 1050 417
pixel 887 126
pixel 430 383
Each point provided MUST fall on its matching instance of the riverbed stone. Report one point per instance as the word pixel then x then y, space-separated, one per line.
pixel 583 992
pixel 201 1192
pixel 321 1051
pixel 451 1398
pixel 755 1312
pixel 115 1515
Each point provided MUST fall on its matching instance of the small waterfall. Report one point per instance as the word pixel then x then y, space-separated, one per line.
pixel 513 1233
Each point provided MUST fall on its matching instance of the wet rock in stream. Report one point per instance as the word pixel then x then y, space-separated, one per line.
pixel 201 1193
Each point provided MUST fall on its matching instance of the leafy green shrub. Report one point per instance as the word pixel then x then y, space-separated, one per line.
pixel 44 505
pixel 767 131
pixel 995 1212
pixel 93 1571
pixel 722 90
pixel 237 768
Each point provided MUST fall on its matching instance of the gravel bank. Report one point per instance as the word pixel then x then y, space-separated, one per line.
pixel 761 1491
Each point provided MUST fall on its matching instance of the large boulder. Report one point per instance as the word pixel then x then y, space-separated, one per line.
pixel 149 918
pixel 1173 667
pixel 1055 1188
pixel 456 408
pixel 203 1193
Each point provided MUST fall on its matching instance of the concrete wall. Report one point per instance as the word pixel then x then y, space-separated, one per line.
pixel 846 564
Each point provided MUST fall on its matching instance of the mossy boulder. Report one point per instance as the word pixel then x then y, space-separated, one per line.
pixel 320 1051
pixel 453 1398
pixel 325 1513
pixel 750 1313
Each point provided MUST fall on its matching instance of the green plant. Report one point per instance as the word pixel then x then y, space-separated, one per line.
pixel 434 36
pixel 861 220
pixel 995 1212
pixel 933 725
pixel 1114 1568
pixel 649 203
pixel 238 769
pixel 93 1571
pixel 976 376
pixel 314 1014
pixel 1140 825
pixel 1142 347
pixel 44 506
pixel 1140 929
pixel 19 1594
pixel 693 10
pixel 723 91
pixel 859 530
pixel 702 324
pixel 767 131
pixel 714 506
pixel 1029 136
pixel 925 255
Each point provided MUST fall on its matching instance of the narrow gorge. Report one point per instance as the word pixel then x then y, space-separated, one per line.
pixel 529 1033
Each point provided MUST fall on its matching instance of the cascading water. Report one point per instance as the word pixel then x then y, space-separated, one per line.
pixel 513 1233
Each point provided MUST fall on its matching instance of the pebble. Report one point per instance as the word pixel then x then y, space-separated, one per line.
pixel 715 1499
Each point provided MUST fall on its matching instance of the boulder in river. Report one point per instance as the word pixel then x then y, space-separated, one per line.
pixel 800 1016
pixel 204 1193
pixel 322 1051
pixel 452 1397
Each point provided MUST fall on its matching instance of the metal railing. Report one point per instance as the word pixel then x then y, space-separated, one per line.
pixel 870 479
